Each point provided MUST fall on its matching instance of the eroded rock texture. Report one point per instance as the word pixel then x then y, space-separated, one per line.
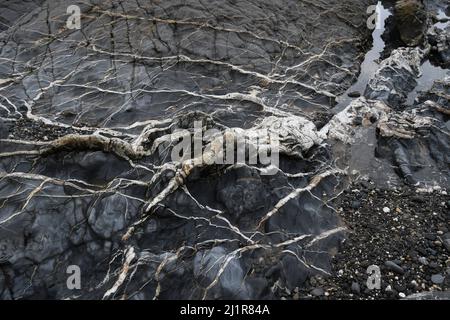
pixel 87 125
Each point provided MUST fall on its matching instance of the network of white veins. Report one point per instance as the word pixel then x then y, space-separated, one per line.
pixel 130 146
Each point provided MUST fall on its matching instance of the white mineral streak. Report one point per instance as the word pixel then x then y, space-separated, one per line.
pixel 403 125
pixel 295 134
pixel 102 111
pixel 294 131
pixel 130 255
pixel 395 74
pixel 341 127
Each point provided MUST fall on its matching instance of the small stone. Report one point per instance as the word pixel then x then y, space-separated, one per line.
pixel 386 210
pixel 317 292
pixel 434 265
pixel 399 287
pixel 447 244
pixel 422 251
pixel 354 94
pixel 402 295
pixel 365 263
pixel 388 288
pixel 437 278
pixel 392 266
pixel 430 236
pixel 418 199
pixel 357 120
pixel 373 118
pixel 356 288
pixel 356 204
pixel 423 261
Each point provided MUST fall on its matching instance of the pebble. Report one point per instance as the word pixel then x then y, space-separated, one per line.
pixel 422 251
pixel 356 288
pixel 419 199
pixel 386 210
pixel 437 278
pixel 391 265
pixel 430 236
pixel 399 287
pixel 356 204
pixel 354 94
pixel 357 120
pixel 423 261
pixel 317 292
pixel 434 265
pixel 447 244
pixel 402 295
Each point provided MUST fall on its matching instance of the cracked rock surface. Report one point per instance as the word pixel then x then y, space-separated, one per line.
pixel 90 120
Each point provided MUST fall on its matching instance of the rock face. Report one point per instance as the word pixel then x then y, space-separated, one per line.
pixel 114 144
pixel 13 10
pixel 440 39
pixel 411 18
pixel 396 76
pixel 87 173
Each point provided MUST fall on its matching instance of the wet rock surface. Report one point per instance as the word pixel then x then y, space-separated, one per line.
pixel 396 76
pixel 90 121
pixel 411 20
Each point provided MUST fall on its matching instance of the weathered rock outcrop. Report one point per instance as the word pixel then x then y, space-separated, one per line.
pixel 411 21
pixel 396 76
pixel 87 174
pixel 93 123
